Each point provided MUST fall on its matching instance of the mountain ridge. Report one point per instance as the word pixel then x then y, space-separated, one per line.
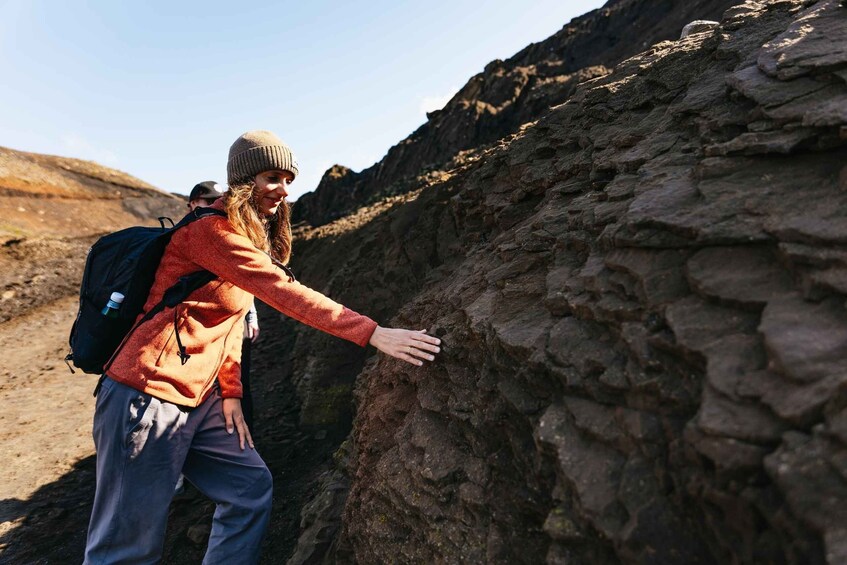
pixel 507 94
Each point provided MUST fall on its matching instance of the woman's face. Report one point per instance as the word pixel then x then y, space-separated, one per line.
pixel 271 189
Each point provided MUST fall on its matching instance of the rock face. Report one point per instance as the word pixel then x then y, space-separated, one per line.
pixel 642 303
pixel 506 95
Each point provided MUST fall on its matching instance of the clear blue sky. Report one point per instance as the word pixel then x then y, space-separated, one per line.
pixel 161 89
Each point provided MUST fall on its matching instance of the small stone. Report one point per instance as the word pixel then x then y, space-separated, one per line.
pixel 698 26
pixel 54 513
pixel 199 533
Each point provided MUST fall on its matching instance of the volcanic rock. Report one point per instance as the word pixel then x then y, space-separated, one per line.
pixel 504 96
pixel 641 298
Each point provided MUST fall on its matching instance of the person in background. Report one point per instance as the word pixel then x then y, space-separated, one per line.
pixel 204 194
pixel 251 334
pixel 158 414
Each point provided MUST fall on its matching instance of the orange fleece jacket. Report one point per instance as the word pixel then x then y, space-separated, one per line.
pixel 211 320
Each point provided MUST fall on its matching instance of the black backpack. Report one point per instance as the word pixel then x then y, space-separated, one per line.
pixel 125 261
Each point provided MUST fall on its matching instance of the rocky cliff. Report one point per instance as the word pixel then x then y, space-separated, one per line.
pixel 51 208
pixel 642 302
pixel 505 95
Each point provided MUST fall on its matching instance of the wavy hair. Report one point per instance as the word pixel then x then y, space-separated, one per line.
pixel 270 234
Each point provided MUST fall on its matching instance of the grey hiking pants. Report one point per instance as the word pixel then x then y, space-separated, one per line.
pixel 143 444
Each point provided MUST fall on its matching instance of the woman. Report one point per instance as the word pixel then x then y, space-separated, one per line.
pixel 159 413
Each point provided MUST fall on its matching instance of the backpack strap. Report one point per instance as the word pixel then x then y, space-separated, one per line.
pixel 279 264
pixel 196 214
pixel 174 296
pixel 187 283
pixel 182 288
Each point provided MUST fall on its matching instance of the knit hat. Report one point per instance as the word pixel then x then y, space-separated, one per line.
pixel 257 151
pixel 207 190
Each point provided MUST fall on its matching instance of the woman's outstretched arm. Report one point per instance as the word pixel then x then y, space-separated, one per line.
pixel 235 259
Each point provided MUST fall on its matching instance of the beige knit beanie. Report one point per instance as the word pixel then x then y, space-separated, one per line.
pixel 255 152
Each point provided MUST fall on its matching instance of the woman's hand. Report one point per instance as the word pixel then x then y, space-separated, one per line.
pixel 411 346
pixel 234 418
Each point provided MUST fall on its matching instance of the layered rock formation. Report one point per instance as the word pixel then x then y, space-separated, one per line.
pixel 505 95
pixel 641 298
pixel 51 209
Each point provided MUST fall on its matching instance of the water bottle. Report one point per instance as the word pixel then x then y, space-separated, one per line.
pixel 111 308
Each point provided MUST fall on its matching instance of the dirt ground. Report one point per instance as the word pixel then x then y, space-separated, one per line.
pixel 45 422
pixel 47 472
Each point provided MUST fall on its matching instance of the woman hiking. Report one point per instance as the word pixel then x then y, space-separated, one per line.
pixel 158 415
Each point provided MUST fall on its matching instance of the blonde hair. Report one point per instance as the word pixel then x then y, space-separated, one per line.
pixel 270 234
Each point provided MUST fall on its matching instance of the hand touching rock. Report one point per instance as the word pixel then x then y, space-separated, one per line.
pixel 412 346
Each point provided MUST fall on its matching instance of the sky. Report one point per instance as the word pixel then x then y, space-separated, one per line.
pixel 160 89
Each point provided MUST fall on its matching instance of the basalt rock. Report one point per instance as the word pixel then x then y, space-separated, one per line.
pixel 641 298
pixel 504 96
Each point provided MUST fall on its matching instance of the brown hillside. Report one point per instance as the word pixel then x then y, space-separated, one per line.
pixel 63 177
pixel 51 210
pixel 45 195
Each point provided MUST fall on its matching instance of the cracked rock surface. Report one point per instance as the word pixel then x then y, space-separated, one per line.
pixel 642 303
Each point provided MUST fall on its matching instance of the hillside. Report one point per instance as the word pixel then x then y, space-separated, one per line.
pixel 48 195
pixel 506 95
pixel 51 209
